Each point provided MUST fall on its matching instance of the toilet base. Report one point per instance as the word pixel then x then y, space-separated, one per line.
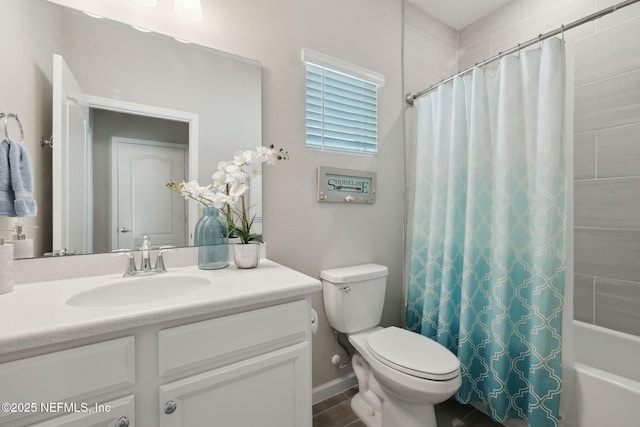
pixel 395 415
pixel 366 413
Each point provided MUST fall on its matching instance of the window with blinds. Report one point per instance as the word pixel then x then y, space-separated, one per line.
pixel 341 108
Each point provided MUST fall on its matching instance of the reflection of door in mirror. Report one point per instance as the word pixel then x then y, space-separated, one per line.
pixel 91 216
pixel 114 119
pixel 140 203
pixel 71 192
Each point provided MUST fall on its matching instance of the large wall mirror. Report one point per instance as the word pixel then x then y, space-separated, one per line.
pixel 128 111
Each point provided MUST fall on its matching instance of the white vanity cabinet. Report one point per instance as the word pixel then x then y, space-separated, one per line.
pixel 247 368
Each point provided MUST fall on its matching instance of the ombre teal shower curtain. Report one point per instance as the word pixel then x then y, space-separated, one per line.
pixel 487 252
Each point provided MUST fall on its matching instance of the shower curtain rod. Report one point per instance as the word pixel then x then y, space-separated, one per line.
pixel 411 97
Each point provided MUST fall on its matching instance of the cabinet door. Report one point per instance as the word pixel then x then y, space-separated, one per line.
pixel 115 413
pixel 273 389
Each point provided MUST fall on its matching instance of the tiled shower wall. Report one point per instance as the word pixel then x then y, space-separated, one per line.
pixel 607 176
pixel 606 143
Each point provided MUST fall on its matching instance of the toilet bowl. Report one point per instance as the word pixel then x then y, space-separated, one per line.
pixel 401 375
pixel 408 393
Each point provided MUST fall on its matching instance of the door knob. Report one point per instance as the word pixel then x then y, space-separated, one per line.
pixel 170 407
pixel 124 230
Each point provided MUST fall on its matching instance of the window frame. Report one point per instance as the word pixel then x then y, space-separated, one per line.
pixel 351 73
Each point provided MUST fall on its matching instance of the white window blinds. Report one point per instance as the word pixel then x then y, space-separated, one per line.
pixel 341 105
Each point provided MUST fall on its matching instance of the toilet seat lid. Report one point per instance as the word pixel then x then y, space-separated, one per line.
pixel 413 354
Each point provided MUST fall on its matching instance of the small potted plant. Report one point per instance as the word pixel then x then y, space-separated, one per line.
pixel 230 185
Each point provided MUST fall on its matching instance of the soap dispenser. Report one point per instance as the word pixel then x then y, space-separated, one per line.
pixel 6 267
pixel 23 247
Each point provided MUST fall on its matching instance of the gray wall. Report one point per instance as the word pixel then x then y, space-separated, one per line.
pixel 607 144
pixel 26 81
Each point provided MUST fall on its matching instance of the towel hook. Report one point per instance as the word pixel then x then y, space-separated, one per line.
pixel 6 121
pixel 46 142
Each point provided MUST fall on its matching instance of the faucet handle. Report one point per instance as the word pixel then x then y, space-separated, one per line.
pixel 160 267
pixel 130 268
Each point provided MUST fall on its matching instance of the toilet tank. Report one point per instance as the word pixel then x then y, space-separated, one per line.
pixel 354 296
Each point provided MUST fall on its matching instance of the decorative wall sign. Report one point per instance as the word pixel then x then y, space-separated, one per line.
pixel 346 186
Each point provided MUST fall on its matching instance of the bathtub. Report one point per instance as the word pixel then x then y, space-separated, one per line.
pixel 607 377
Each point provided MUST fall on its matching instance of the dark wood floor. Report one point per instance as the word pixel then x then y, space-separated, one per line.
pixel 336 412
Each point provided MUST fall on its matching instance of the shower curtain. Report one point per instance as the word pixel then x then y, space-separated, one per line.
pixel 487 252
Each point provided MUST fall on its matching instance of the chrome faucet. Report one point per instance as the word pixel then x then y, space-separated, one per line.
pixel 145 262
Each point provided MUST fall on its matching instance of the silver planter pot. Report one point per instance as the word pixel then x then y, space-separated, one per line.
pixel 246 255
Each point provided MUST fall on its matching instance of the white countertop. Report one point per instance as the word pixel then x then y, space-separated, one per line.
pixel 36 314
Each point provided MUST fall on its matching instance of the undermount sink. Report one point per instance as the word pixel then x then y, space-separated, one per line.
pixel 138 290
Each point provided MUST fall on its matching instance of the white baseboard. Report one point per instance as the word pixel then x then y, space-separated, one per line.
pixel 333 387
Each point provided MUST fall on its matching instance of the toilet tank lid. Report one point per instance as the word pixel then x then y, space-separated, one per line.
pixel 354 273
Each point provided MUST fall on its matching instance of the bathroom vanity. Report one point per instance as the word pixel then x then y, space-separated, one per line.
pixel 233 350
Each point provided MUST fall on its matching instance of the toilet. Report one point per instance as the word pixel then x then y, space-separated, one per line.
pixel 401 374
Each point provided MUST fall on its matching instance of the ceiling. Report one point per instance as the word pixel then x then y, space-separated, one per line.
pixel 459 13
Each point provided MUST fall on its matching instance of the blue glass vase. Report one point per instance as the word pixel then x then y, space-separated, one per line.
pixel 212 239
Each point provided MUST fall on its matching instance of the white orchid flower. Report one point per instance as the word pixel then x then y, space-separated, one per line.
pixel 232 168
pixel 220 180
pixel 194 189
pixel 253 170
pixel 220 200
pixel 263 153
pixel 241 158
pixel 236 191
pixel 235 175
pixel 271 155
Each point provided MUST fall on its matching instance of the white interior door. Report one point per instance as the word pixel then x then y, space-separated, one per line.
pixel 72 221
pixel 141 204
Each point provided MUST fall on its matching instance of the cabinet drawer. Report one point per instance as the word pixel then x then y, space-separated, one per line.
pixel 68 375
pixel 107 414
pixel 231 336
